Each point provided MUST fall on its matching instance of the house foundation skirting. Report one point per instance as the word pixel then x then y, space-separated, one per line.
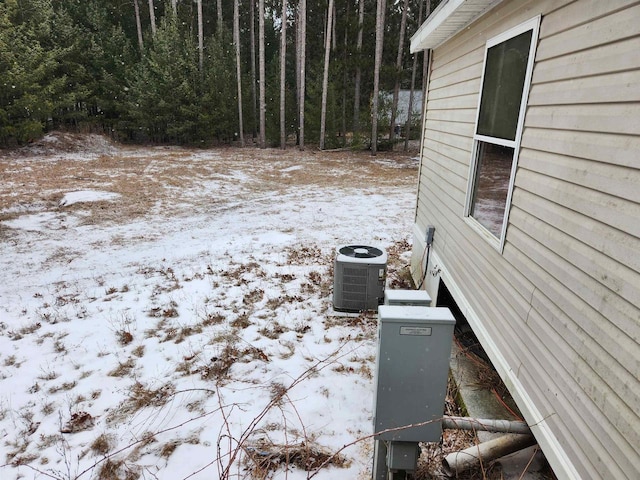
pixel 437 270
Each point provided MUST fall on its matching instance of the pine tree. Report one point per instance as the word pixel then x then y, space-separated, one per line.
pixel 27 70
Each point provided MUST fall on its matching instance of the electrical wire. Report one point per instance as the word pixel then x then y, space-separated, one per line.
pixel 426 266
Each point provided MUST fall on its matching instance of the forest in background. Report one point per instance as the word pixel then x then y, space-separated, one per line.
pixel 207 72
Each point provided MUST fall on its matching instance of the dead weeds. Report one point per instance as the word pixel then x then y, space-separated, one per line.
pixel 112 469
pixel 102 445
pixel 141 395
pixel 265 458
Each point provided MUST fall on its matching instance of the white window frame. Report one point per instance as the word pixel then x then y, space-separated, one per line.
pixel 498 243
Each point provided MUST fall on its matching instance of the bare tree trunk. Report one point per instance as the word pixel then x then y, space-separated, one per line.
pixel 413 86
pixel 297 21
pixel 261 73
pixel 136 8
pixel 333 29
pixel 380 12
pixel 356 93
pixel 325 77
pixel 302 53
pixel 174 6
pixel 396 88
pixel 236 40
pixel 152 17
pixel 219 15
pixel 200 39
pixel 254 95
pixel 283 64
pixel 345 43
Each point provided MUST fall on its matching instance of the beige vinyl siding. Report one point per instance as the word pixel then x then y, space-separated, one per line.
pixel 562 301
pixel 621 87
pixel 602 148
pixel 571 33
pixel 610 58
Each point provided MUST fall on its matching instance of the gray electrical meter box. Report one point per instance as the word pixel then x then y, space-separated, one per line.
pixel 412 369
pixel 407 297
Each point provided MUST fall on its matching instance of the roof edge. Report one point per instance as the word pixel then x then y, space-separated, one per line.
pixel 447 20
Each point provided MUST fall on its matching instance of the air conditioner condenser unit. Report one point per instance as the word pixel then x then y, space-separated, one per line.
pixel 360 274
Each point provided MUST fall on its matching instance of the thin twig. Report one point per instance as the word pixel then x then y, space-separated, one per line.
pixel 319 365
pixel 535 450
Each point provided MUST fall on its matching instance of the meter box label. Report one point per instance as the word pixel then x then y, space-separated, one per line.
pixel 412 368
pixel 415 331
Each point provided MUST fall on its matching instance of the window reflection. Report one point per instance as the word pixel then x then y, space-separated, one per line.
pixel 493 173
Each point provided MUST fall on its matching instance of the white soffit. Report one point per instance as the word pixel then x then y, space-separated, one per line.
pixel 448 19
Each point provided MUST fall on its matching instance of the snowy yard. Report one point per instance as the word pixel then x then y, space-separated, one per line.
pixel 166 313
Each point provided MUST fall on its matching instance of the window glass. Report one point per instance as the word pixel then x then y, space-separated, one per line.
pixel 505 70
pixel 491 186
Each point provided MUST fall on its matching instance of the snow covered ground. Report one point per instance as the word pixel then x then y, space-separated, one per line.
pixel 166 313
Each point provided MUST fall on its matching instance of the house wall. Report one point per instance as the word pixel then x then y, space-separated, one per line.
pixel 558 311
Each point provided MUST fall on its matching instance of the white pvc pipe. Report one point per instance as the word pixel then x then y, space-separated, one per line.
pixel 484 424
pixel 458 462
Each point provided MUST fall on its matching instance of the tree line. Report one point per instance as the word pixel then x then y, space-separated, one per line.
pixel 203 72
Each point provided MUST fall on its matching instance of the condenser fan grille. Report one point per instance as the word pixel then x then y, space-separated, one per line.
pixel 360 251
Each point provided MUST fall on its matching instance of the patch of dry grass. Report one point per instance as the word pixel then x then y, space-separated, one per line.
pixel 141 396
pixel 123 369
pixel 112 469
pixel 149 180
pixel 265 458
pixel 26 330
pixel 102 444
